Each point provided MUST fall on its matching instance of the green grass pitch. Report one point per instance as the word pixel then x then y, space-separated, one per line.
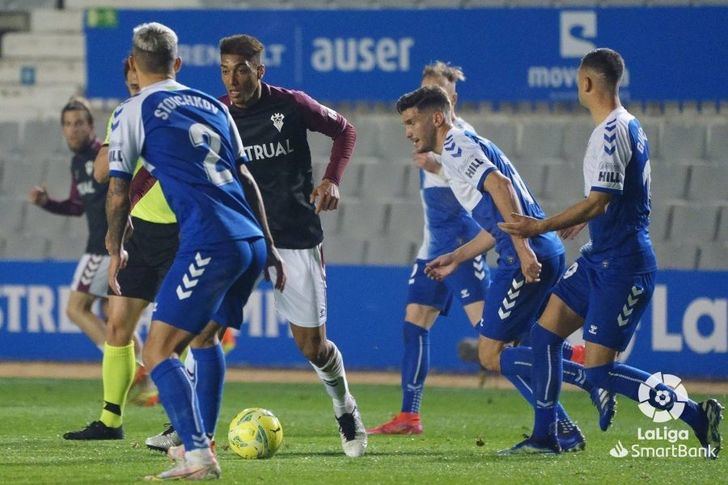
pixel 463 430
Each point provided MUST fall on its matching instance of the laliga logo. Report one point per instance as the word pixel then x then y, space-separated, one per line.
pixel 662 405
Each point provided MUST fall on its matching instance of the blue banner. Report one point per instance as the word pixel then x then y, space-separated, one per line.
pixel 683 332
pixel 377 55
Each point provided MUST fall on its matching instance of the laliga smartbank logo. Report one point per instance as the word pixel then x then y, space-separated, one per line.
pixel 662 404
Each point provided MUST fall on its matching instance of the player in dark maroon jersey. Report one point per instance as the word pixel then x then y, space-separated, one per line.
pixel 273 123
pixel 87 196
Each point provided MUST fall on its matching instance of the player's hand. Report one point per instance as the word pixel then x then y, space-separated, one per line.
pixel 117 263
pixel 276 262
pixel 530 267
pixel 38 195
pixel 426 161
pixel 326 196
pixel 523 226
pixel 442 267
pixel 571 232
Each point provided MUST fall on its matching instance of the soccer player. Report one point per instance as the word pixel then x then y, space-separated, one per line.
pixel 273 122
pixel 86 196
pixel 151 249
pixel 188 141
pixel 447 226
pixel 608 288
pixel 489 187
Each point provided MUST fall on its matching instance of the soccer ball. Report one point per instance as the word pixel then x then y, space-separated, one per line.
pixel 255 433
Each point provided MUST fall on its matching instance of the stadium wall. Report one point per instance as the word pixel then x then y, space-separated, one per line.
pixel 684 331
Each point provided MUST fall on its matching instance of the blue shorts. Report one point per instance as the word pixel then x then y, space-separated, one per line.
pixel 211 283
pixel 611 303
pixel 514 306
pixel 470 282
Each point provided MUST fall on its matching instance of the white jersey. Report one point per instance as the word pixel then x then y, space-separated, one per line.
pixel 447 224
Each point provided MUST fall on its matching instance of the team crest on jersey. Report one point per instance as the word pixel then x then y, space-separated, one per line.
pixel 277 120
pixel 90 167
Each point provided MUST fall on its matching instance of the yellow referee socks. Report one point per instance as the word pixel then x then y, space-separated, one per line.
pixel 117 369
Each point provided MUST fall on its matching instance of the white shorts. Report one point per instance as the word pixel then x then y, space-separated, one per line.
pixel 303 300
pixel 92 275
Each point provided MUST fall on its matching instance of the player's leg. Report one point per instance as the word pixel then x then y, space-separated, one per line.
pixel 614 312
pixel 303 304
pixel 88 284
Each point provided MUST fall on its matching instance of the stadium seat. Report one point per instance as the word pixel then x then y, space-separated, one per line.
pixel 722 235
pixel 708 182
pixel 26 4
pixel 391 140
pixel 330 222
pixel 718 143
pixel 362 219
pixel 564 183
pixel 43 45
pixel 320 146
pixel 344 250
pixel 77 227
pixel 671 255
pixel 576 138
pixel 412 183
pixel 406 221
pixel 67 248
pixel 21 246
pixel 11 215
pixel 693 223
pixel 58 178
pixel 9 135
pixel 43 139
pixel 534 175
pixel 659 221
pixel 484 3
pixel 136 4
pixel 20 177
pixel 367 138
pixel 682 141
pixel 714 256
pixel 541 141
pixel 39 222
pixel 441 3
pixel 651 127
pixel 668 181
pixel 55 20
pixel 390 251
pixel 382 181
pixel 318 168
pixel 503 132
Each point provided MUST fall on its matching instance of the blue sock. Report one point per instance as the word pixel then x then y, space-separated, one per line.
pixel 626 380
pixel 209 383
pixel 415 366
pixel 179 400
pixel 516 364
pixel 547 374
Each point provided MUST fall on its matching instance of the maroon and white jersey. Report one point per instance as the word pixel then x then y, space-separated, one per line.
pixel 86 196
pixel 274 133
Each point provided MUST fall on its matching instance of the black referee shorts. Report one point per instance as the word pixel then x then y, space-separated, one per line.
pixel 151 249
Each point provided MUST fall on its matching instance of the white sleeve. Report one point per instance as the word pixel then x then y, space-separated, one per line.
pixel 238 148
pixel 611 162
pixel 470 164
pixel 126 140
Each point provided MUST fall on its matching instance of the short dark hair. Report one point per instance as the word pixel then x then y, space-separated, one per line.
pixel 606 62
pixel 155 48
pixel 425 98
pixel 77 103
pixel 241 45
pixel 444 70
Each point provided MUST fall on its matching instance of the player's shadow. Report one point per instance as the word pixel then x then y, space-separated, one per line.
pixel 296 454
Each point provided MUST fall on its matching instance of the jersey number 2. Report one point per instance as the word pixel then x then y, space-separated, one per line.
pixel 203 136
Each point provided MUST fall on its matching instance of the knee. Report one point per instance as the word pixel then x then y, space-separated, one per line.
pixel 117 333
pixel 489 357
pixel 152 355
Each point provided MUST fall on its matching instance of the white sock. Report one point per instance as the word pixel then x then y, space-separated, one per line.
pixel 333 376
pixel 191 366
pixel 199 456
pixel 138 353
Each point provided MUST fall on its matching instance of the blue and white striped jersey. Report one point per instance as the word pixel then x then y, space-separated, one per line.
pixel 447 224
pixel 617 161
pixel 189 142
pixel 467 160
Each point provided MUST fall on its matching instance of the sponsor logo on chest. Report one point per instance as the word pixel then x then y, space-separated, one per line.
pixel 267 151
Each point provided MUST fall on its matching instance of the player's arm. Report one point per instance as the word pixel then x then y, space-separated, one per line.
pixel 443 266
pixel 504 196
pixel 324 120
pixel 101 162
pixel 72 206
pixel 252 195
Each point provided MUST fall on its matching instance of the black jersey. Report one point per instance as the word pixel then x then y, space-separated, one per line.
pixel 87 196
pixel 274 133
